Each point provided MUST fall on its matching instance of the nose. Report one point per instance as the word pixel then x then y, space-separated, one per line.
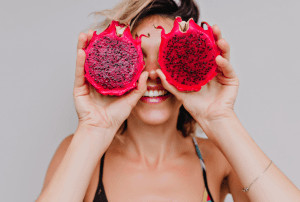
pixel 150 46
pixel 151 67
pixel 151 64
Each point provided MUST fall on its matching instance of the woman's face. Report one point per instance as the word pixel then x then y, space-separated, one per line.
pixel 154 107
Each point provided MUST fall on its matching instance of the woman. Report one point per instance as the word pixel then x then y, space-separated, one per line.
pixel 150 152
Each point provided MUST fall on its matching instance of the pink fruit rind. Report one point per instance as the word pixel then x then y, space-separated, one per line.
pixel 192 28
pixel 126 37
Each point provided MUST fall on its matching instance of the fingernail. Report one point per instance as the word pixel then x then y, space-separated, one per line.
pixel 219 56
pixel 146 75
pixel 157 71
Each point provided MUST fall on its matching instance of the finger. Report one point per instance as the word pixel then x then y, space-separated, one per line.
pixel 79 71
pixel 121 108
pixel 82 41
pixel 133 97
pixel 225 67
pixel 216 32
pixel 166 84
pixel 90 35
pixel 224 47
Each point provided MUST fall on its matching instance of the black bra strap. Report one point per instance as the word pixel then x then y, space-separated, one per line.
pixel 101 171
pixel 206 185
pixel 203 167
pixel 100 192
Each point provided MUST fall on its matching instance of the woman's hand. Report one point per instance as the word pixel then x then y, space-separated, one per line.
pixel 96 111
pixel 216 99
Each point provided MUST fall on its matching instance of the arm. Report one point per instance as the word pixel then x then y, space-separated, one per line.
pixel 235 186
pixel 72 166
pixel 99 118
pixel 248 162
pixel 212 107
pixel 56 159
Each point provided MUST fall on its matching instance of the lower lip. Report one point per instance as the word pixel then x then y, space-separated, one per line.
pixel 155 100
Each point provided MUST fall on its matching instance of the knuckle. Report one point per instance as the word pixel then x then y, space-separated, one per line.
pixel 82 36
pixel 226 44
pixel 79 91
pixel 216 26
pixel 223 43
pixel 80 53
pixel 223 40
pixel 225 63
pixel 90 31
pixel 75 92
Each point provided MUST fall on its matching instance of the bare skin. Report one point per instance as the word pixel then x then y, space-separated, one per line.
pixel 152 161
pixel 152 182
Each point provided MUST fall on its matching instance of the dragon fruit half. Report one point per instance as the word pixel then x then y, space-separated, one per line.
pixel 114 60
pixel 187 55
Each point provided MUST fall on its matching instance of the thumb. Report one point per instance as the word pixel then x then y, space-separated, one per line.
pixel 133 97
pixel 121 108
pixel 166 84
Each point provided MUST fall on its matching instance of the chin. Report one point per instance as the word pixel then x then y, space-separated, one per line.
pixel 156 114
pixel 153 117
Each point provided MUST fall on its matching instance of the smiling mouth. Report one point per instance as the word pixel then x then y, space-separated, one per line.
pixel 155 94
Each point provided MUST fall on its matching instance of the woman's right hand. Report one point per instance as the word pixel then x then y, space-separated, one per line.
pixel 103 114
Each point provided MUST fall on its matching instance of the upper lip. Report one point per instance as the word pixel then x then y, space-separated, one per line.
pixel 155 87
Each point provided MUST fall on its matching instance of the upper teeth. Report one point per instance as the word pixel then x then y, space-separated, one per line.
pixel 154 93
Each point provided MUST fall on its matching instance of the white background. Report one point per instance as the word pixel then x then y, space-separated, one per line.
pixel 38 49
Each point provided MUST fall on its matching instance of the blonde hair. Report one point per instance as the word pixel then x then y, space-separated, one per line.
pixel 124 12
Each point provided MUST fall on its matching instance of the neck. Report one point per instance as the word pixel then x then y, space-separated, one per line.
pixel 152 144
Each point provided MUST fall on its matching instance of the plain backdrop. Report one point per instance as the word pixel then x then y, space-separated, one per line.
pixel 38 49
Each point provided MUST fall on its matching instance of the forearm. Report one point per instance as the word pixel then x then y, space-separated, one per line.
pixel 249 161
pixel 71 179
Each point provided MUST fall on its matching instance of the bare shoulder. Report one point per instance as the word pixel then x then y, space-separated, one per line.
pixel 217 167
pixel 213 154
pixel 57 158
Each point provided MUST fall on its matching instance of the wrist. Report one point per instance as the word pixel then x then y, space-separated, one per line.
pixel 94 128
pixel 94 131
pixel 215 117
pixel 212 126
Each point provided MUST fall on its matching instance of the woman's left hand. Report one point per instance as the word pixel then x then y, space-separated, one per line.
pixel 216 99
